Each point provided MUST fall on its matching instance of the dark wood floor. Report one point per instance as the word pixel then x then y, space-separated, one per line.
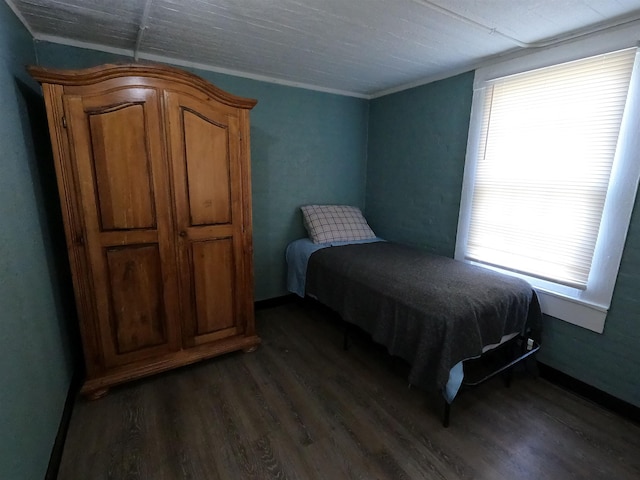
pixel 301 407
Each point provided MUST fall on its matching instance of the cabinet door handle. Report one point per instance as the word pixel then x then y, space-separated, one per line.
pixel 183 233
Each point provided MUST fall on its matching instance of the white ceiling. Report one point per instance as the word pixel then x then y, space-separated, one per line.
pixel 357 47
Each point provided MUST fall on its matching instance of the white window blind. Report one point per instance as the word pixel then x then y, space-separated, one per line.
pixel 547 144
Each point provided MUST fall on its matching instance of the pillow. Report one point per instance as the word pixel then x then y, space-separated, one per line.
pixel 335 223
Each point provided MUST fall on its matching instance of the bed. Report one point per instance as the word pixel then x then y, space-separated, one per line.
pixel 432 311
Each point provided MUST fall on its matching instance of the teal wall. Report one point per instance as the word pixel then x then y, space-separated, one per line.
pixel 35 361
pixel 306 147
pixel 417 143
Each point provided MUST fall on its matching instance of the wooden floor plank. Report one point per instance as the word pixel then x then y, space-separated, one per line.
pixel 303 408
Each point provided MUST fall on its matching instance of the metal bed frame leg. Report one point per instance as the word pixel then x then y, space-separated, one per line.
pixel 508 374
pixel 508 377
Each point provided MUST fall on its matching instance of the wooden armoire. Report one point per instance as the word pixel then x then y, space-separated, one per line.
pixel 153 172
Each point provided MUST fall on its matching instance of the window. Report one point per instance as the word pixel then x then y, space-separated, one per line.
pixel 550 178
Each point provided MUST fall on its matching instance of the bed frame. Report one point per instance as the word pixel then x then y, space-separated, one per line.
pixel 520 353
pixel 432 311
pixel 517 352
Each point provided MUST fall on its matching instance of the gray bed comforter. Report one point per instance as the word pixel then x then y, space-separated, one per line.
pixel 430 310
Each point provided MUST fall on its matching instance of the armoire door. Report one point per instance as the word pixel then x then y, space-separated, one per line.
pixel 205 146
pixel 123 182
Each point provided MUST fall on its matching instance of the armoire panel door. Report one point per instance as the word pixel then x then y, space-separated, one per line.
pixel 205 145
pixel 125 198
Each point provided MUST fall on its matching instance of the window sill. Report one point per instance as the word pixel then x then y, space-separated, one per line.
pixel 584 315
pixel 580 312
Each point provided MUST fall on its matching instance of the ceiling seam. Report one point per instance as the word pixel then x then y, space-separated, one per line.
pixel 141 29
pixel 541 44
pixel 470 21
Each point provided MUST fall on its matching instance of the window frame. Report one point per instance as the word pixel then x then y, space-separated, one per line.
pixel 586 308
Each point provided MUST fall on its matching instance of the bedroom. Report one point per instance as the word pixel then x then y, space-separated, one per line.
pixel 292 142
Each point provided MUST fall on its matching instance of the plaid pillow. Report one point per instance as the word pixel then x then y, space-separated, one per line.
pixel 335 223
